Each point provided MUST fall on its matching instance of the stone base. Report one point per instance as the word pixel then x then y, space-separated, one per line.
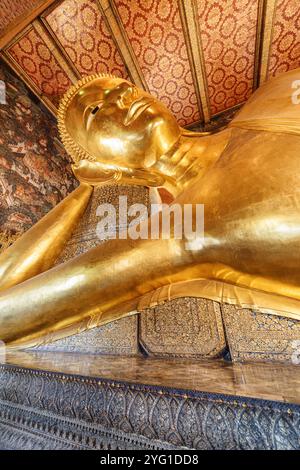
pixel 54 410
pixel 193 328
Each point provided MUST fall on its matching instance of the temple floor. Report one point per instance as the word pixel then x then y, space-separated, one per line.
pixel 257 380
pixel 78 401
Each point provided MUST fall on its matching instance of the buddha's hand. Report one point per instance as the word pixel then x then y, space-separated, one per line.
pixel 95 173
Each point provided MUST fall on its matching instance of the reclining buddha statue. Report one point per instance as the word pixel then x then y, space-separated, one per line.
pixel 246 176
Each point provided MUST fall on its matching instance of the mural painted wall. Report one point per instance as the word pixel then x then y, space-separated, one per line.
pixel 35 172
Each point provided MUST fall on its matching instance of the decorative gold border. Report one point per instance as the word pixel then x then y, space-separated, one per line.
pixel 267 36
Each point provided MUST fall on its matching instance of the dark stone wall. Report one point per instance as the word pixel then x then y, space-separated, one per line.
pixel 35 172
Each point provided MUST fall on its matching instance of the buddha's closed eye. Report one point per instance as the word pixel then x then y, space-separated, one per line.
pixel 93 113
pixel 96 109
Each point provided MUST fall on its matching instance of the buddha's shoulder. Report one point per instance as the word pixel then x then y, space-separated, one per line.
pixel 275 106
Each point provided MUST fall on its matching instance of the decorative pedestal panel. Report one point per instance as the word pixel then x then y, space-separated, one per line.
pixel 186 327
pixel 257 336
pixel 192 328
pixel 119 338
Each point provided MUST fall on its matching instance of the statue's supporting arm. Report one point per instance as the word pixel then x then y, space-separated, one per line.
pixel 37 250
pixel 88 286
pixel 96 173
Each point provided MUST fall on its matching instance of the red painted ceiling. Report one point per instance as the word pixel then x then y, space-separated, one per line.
pixel 229 35
pixel 10 10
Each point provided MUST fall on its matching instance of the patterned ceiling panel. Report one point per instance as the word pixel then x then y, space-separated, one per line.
pixel 10 10
pixel 38 62
pixel 228 35
pixel 217 55
pixel 155 32
pixel 285 47
pixel 83 34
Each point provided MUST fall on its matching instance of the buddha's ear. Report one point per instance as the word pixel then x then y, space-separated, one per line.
pixel 96 173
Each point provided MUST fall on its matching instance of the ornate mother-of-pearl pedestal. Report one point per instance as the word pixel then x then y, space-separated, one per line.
pixel 256 336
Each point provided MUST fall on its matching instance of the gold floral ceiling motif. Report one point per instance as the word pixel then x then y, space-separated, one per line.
pixel 200 57
pixel 10 10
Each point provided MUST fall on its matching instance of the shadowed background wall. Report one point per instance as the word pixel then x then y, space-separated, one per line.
pixel 35 172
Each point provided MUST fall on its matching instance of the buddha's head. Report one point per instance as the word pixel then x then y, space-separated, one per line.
pixel 109 126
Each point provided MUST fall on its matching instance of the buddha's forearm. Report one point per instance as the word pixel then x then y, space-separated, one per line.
pixel 91 284
pixel 38 248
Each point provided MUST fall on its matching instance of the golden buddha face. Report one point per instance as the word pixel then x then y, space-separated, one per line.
pixel 115 124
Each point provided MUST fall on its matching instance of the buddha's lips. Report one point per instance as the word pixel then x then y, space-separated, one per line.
pixel 136 109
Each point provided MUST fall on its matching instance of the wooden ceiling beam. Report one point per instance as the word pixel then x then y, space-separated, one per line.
pixel 54 47
pixel 266 39
pixel 58 45
pixel 258 42
pixel 50 43
pixel 14 28
pixel 111 16
pixel 11 62
pixel 193 39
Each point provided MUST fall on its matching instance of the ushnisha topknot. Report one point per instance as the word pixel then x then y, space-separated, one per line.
pixel 75 151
